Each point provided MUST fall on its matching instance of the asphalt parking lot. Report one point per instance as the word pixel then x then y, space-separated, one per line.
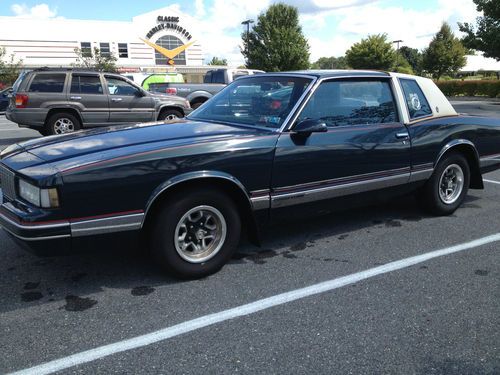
pixel 434 315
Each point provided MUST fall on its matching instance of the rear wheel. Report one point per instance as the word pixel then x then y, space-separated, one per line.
pixel 447 188
pixel 196 105
pixel 170 115
pixel 195 233
pixel 61 123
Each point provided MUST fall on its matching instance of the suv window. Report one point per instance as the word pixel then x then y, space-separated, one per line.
pixel 119 87
pixel 86 84
pixel 48 82
pixel 346 102
pixel 417 104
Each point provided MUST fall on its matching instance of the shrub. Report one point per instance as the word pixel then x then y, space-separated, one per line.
pixel 490 88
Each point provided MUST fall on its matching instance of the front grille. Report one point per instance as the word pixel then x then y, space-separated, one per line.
pixel 7 182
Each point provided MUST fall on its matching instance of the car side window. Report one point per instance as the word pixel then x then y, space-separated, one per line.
pixel 352 102
pixel 48 82
pixel 86 84
pixel 417 104
pixel 119 87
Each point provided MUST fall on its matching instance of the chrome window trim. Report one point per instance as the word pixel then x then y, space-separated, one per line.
pixel 289 126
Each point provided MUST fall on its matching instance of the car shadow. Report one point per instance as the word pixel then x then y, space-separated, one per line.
pixel 26 279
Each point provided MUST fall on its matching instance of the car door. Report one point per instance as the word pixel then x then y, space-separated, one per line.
pixel 128 103
pixel 366 146
pixel 87 94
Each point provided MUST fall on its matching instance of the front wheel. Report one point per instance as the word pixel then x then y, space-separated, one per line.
pixel 447 188
pixel 195 233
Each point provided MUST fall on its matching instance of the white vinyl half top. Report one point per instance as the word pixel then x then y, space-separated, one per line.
pixel 439 104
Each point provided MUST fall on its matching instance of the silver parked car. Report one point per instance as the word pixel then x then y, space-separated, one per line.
pixel 57 101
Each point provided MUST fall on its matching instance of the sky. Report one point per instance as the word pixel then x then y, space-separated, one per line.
pixel 331 26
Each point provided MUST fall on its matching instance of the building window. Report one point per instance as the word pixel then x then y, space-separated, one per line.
pixel 122 50
pixel 170 42
pixel 105 51
pixel 86 49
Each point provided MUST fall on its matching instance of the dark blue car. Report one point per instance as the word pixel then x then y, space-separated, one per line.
pixel 265 146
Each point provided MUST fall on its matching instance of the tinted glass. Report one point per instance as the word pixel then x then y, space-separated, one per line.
pixel 118 87
pixel 415 99
pixel 83 84
pixel 263 101
pixel 48 82
pixel 341 103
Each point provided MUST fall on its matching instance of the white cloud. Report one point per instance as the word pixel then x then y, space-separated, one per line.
pixel 39 11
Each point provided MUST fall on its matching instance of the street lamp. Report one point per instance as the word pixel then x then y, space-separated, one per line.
pixel 397 54
pixel 247 22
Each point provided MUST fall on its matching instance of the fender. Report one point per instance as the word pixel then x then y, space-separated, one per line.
pixel 194 176
pixel 476 181
pixel 455 143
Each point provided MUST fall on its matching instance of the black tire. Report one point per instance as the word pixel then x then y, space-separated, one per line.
pixel 55 124
pixel 430 196
pixel 196 105
pixel 168 224
pixel 170 115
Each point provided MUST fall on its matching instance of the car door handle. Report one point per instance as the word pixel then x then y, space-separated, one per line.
pixel 116 99
pixel 402 135
pixel 75 97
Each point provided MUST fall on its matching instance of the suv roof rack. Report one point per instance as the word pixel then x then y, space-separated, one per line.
pixel 70 69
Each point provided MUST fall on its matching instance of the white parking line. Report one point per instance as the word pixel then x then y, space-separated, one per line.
pixel 244 310
pixel 491 181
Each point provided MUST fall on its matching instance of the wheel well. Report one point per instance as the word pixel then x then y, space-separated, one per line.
pixel 178 109
pixel 231 189
pixel 476 179
pixel 71 111
pixel 198 99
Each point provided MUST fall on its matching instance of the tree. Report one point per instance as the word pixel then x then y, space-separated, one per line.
pixel 276 43
pixel 95 61
pixel 401 65
pixel 413 57
pixel 216 61
pixel 9 68
pixel 445 54
pixel 486 35
pixel 374 52
pixel 330 63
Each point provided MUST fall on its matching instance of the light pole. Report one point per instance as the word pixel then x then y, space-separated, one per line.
pixel 397 49
pixel 247 22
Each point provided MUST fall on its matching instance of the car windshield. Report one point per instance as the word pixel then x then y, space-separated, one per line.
pixel 263 101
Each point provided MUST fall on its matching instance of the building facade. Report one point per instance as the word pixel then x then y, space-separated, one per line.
pixel 52 42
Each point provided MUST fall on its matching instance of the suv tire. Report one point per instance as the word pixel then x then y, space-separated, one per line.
pixel 62 123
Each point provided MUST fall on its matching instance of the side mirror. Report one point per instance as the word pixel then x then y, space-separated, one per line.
pixel 308 126
pixel 140 93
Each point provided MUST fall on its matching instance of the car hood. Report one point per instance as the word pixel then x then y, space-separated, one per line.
pixel 167 98
pixel 101 143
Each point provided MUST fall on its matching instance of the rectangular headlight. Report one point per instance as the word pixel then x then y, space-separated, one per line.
pixel 46 198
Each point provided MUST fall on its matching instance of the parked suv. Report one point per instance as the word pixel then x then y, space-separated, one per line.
pixel 57 101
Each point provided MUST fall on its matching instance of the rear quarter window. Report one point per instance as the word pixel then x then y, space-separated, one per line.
pixel 48 82
pixel 417 104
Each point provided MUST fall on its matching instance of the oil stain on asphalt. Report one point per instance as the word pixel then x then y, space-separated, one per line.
pixel 31 296
pixel 75 303
pixel 142 290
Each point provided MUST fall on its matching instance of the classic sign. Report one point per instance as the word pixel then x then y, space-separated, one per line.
pixel 263 146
